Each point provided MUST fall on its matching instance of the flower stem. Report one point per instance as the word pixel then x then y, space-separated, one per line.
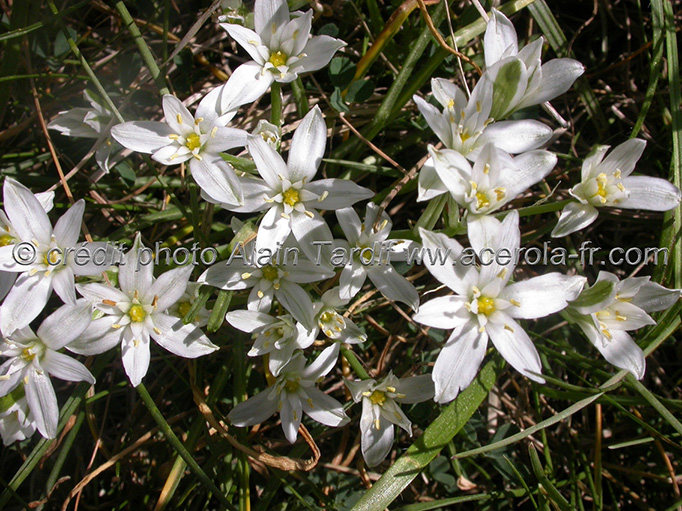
pixel 299 96
pixel 276 104
pixel 355 363
pixel 179 448
pixel 145 52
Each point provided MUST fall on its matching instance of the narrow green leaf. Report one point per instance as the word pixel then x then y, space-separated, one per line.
pixel 551 490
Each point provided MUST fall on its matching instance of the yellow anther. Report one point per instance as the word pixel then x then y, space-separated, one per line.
pixel 502 274
pixel 482 200
pixel 179 118
pixel 260 294
pixel 310 403
pixel 621 318
pixel 136 343
pixel 109 302
pixel 486 168
pixel 451 103
pixel 500 193
pixel 27 354
pixel 377 424
pixel 214 131
pixel 193 142
pixel 246 275
pixel 515 303
pixel 157 331
pixel 391 389
pixel 198 120
pixel 5 240
pixel 507 327
pixel 617 174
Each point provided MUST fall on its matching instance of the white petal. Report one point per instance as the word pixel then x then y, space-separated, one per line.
pixel 142 136
pixel 24 302
pixel 444 312
pixel 65 324
pixel 341 193
pixel 247 39
pixel 319 51
pixel 393 285
pixel 653 297
pixel 350 224
pixel 297 302
pixel 623 352
pixel 270 15
pixel 273 230
pixel 436 120
pixel 25 212
pixel 500 38
pixel 224 139
pixel 177 116
pixel 63 285
pixel 574 217
pixel 650 193
pixel 246 85
pixel 97 338
pixel 254 410
pixel 291 415
pixel 249 321
pixel 557 77
pixel 445 91
pixel 324 363
pixel 168 288
pixel 68 227
pixel 439 257
pixel 415 389
pixel 137 269
pixel 352 279
pixel 458 362
pixel 515 137
pixel 43 402
pixel 515 346
pixel 429 182
pixel 135 355
pixel 269 163
pixel 541 296
pixel 497 244
pixel 307 147
pixel 182 340
pixel 376 443
pixel 324 409
pixel 65 368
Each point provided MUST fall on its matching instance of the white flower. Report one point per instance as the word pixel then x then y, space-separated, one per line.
pixel 495 178
pixel 519 77
pixel 31 357
pixel 293 394
pixel 49 262
pixel 332 324
pixel 16 420
pixel 269 132
pixel 486 305
pixel 199 139
pixel 606 322
pixel 135 313
pixel 466 126
pixel 280 47
pixel 380 410
pixel 606 181
pixel 367 241
pixel 288 192
pixel 277 279
pixel 279 337
pixel 89 123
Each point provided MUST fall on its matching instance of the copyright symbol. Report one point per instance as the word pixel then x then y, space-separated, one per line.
pixel 24 253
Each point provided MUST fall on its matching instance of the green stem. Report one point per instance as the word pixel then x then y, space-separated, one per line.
pixel 354 363
pixel 299 96
pixel 276 104
pixel 179 448
pixel 145 52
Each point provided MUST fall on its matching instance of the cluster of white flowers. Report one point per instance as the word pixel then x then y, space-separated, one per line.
pixel 486 162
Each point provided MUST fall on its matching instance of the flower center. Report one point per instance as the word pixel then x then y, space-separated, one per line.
pixel 183 308
pixel 482 200
pixel 193 142
pixel 485 305
pixel 5 240
pixel 137 313
pixel 291 386
pixel 270 273
pixel 377 397
pixel 27 354
pixel 606 190
pixel 278 59
pixel 52 258
pixel 291 197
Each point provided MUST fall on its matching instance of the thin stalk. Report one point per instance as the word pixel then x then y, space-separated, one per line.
pixel 179 448
pixel 276 104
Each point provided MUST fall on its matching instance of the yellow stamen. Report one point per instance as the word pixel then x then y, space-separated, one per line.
pixel 278 59
pixel 485 305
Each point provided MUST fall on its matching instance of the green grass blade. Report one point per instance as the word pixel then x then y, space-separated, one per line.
pixel 655 403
